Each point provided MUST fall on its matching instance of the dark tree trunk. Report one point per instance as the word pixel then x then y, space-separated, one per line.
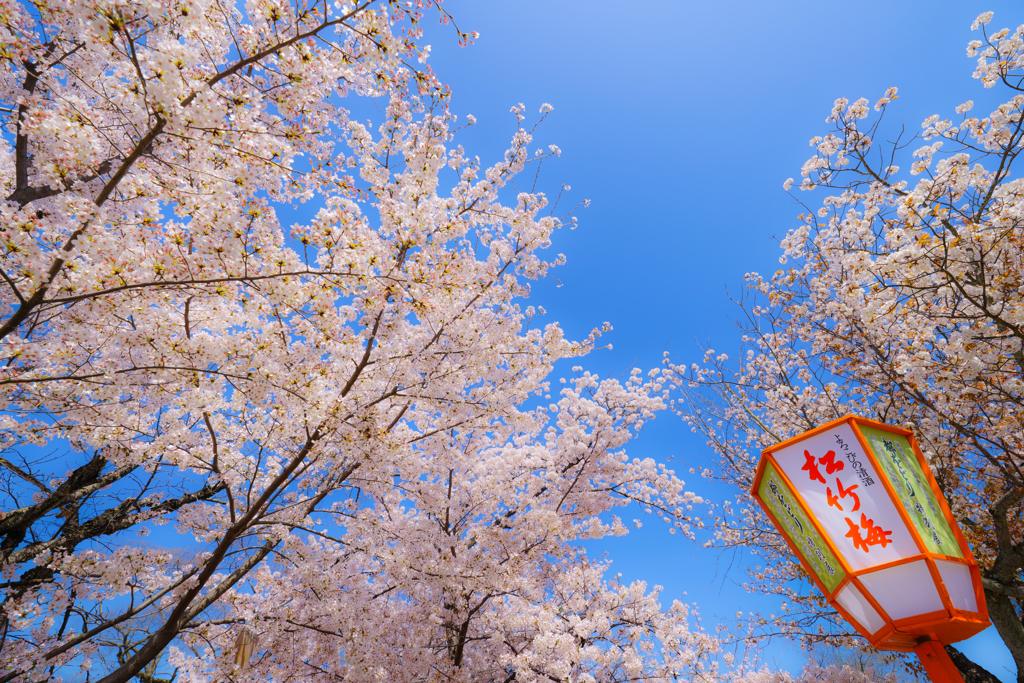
pixel 972 673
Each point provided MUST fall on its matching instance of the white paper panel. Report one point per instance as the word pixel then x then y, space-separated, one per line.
pixel 858 607
pixel 905 590
pixel 863 546
pixel 957 578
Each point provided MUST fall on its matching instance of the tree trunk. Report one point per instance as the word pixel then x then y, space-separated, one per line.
pixel 972 673
pixel 1011 630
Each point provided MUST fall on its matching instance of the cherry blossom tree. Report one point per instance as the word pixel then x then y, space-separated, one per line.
pixel 815 674
pixel 339 434
pixel 900 300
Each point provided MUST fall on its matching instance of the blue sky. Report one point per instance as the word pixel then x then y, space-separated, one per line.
pixel 680 121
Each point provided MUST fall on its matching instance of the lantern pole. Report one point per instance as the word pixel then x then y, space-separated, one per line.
pixel 937 663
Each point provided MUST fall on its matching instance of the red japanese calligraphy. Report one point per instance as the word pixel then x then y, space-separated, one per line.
pixel 843 493
pixel 831 466
pixel 875 536
pixel 811 466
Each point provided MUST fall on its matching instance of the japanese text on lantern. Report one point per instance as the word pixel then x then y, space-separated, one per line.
pixel 900 466
pixel 793 522
pixel 864 533
pixel 841 488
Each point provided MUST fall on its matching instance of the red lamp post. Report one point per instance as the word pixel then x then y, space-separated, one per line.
pixel 860 509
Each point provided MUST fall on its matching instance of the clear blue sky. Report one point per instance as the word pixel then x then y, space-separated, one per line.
pixel 680 121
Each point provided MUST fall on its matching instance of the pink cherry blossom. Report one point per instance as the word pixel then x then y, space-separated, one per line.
pixel 337 422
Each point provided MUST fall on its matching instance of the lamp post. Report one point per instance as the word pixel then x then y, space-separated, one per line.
pixel 860 509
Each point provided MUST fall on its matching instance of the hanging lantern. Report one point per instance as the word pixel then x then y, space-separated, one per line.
pixel 245 645
pixel 857 504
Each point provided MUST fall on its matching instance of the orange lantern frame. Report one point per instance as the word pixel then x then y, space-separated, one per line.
pixel 923 633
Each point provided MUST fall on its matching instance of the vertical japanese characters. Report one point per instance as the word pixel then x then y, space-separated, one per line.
pixel 873 534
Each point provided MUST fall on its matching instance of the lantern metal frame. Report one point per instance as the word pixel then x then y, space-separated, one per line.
pixel 948 625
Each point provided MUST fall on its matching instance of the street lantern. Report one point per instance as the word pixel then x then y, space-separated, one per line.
pixel 857 504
